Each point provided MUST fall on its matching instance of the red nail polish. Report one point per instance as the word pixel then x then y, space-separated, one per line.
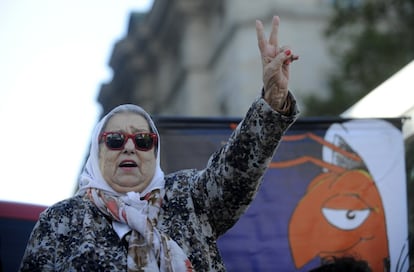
pixel 287 52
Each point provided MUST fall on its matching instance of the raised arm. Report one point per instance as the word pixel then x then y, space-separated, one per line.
pixel 233 174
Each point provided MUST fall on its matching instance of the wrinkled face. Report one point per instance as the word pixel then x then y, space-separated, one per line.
pixel 127 169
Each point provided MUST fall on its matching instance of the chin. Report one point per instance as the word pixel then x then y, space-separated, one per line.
pixel 125 187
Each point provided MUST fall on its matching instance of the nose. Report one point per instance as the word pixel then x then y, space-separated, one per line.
pixel 129 145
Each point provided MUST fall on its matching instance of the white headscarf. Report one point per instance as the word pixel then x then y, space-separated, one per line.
pixel 133 212
pixel 91 176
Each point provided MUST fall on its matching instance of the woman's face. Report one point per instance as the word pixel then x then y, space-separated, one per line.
pixel 127 169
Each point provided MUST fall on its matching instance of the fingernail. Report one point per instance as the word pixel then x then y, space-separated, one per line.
pixel 287 52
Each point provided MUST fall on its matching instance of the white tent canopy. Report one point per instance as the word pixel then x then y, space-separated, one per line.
pixel 393 98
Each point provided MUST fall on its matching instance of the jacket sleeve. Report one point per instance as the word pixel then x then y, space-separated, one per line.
pixel 233 174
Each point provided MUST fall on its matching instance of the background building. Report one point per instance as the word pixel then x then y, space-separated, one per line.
pixel 200 58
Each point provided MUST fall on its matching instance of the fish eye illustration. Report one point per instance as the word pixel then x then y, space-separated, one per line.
pixel 345 219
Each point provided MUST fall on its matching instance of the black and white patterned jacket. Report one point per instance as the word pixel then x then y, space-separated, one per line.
pixel 198 207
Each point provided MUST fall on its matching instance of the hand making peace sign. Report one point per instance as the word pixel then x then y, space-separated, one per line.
pixel 276 61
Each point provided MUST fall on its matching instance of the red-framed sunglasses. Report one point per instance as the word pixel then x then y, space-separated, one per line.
pixel 143 141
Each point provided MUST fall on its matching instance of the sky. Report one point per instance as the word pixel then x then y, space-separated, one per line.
pixel 54 57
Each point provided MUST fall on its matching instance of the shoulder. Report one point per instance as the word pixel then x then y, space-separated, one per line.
pixel 71 208
pixel 182 184
pixel 68 204
pixel 181 178
pixel 73 217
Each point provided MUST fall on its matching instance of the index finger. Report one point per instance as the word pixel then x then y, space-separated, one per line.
pixel 261 38
pixel 275 29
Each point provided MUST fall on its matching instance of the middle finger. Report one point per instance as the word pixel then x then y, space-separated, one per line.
pixel 273 40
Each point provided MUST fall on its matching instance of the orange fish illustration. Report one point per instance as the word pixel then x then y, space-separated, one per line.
pixel 341 213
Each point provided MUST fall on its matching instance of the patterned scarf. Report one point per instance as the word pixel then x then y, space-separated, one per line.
pixel 148 248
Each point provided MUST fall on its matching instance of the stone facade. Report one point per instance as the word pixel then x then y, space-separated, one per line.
pixel 200 58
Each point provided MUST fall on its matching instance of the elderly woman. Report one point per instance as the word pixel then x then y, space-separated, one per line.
pixel 128 216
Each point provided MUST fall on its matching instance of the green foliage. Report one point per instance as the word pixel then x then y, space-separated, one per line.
pixel 372 40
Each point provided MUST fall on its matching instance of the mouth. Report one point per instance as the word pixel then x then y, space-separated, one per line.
pixel 128 164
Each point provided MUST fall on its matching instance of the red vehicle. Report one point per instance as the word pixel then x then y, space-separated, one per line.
pixel 16 223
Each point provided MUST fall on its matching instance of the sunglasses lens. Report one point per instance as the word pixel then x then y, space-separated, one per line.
pixel 144 141
pixel 115 140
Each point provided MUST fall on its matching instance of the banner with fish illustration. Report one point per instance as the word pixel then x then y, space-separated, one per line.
pixel 334 188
